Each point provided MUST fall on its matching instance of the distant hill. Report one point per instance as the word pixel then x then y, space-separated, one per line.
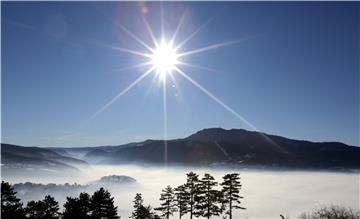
pixel 30 191
pixel 234 147
pixel 218 146
pixel 114 180
pixel 34 159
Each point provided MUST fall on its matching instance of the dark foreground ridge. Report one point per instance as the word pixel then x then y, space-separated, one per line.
pixel 212 147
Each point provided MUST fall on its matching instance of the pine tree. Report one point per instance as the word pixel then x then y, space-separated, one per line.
pixel 51 207
pixel 231 187
pixel 77 207
pixel 168 206
pixel 11 207
pixel 102 205
pixel 208 200
pixel 191 186
pixel 47 208
pixel 142 212
pixel 35 210
pixel 182 200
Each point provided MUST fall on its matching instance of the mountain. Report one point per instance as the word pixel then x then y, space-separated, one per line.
pixel 216 146
pixel 220 147
pixel 35 159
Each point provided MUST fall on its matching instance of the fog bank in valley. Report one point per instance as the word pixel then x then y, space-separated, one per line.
pixel 266 193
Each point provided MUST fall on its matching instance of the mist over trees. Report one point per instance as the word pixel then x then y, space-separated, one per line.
pixel 197 197
pixel 99 205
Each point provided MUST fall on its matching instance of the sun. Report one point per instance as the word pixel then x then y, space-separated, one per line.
pixel 164 58
pixel 167 58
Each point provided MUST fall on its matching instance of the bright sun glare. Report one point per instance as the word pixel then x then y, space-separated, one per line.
pixel 164 58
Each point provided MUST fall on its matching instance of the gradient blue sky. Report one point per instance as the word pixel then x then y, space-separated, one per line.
pixel 295 75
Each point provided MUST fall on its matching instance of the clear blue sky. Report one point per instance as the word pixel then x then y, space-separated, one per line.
pixel 295 75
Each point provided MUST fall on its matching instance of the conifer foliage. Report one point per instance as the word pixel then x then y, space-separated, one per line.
pixel 102 205
pixel 168 205
pixel 11 207
pixel 141 211
pixel 77 207
pixel 182 200
pixel 208 199
pixel 231 188
pixel 47 208
pixel 191 185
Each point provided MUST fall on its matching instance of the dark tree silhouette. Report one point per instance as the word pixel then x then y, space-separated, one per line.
pixel 34 210
pixel 77 207
pixel 51 207
pixel 208 200
pixel 168 205
pixel 182 200
pixel 102 205
pixel 11 207
pixel 139 208
pixel 332 212
pixel 191 186
pixel 140 211
pixel 47 208
pixel 231 187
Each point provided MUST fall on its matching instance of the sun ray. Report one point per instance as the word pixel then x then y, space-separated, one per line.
pixel 135 37
pixel 162 19
pixel 182 18
pixel 197 66
pixel 222 149
pixel 123 92
pixel 165 122
pixel 193 34
pixel 152 84
pixel 151 33
pixel 212 96
pixel 129 51
pixel 210 47
pixel 133 66
pixel 133 52
pixel 229 109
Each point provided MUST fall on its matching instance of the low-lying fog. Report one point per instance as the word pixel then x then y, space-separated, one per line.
pixel 266 193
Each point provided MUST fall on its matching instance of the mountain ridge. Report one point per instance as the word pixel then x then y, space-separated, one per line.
pixel 218 146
